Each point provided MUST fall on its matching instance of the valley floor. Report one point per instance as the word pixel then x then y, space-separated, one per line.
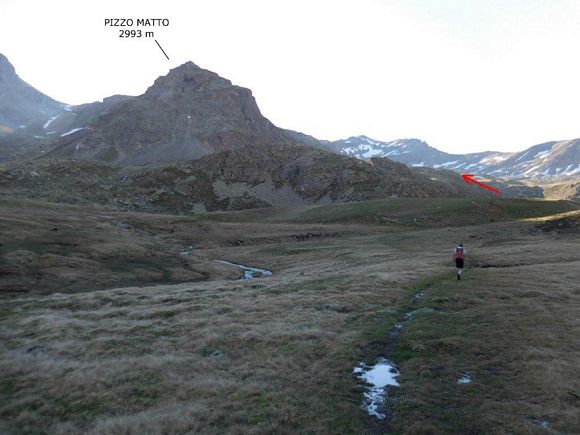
pixel 275 355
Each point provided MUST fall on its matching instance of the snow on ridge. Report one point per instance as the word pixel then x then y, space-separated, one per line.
pixel 398 143
pixel 74 130
pixel 542 154
pixel 418 164
pixel 522 156
pixel 533 168
pixel 572 172
pixel 442 165
pixel 372 152
pixel 45 126
pixel 494 159
pixel 369 141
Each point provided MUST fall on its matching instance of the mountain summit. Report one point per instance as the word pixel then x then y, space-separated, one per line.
pixel 184 115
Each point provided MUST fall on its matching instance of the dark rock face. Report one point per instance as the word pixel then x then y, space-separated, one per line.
pixel 189 113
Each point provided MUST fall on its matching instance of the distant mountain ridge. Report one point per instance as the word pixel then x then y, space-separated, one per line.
pixel 192 112
pixel 550 159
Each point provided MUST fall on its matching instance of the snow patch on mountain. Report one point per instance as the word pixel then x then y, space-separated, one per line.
pixel 74 130
pixel 50 121
pixel 542 154
pixel 543 160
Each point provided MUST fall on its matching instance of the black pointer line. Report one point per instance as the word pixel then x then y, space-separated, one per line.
pixel 161 49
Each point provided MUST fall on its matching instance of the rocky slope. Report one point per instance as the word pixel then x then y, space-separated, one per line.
pixel 20 103
pixel 544 160
pixel 247 177
pixel 23 111
pixel 562 189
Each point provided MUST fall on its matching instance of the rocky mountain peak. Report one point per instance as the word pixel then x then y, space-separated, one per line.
pixel 189 78
pixel 6 68
pixel 183 115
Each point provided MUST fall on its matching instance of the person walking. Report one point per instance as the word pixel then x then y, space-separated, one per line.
pixel 459 259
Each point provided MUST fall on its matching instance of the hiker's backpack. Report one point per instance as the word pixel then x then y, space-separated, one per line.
pixel 459 253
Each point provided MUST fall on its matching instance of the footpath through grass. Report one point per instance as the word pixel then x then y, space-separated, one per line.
pixel 512 332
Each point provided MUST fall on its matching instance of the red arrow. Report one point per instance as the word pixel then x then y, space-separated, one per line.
pixel 469 179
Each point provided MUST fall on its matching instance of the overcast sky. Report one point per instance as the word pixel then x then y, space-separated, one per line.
pixel 464 75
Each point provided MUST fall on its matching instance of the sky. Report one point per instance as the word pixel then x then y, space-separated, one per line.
pixel 463 75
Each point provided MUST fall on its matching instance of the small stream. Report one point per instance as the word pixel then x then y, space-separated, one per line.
pixel 249 272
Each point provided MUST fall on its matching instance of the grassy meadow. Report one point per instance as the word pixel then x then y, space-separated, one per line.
pixel 204 352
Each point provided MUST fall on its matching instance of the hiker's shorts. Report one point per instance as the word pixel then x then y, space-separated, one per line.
pixel 459 263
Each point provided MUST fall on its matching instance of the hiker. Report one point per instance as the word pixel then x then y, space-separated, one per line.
pixel 459 258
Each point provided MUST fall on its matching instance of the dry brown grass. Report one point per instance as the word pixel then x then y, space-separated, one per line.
pixel 148 359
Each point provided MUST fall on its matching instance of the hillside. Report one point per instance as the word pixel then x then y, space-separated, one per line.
pixel 562 189
pixel 23 111
pixel 20 103
pixel 247 177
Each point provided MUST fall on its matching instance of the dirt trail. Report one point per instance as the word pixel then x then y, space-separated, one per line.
pixel 379 400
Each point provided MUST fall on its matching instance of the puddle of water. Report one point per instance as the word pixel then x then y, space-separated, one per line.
pixel 378 376
pixel 464 379
pixel 249 272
